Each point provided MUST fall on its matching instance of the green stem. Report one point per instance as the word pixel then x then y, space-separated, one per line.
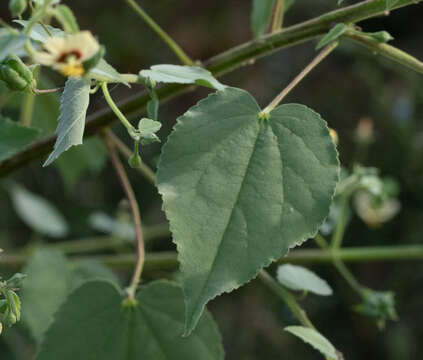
pixel 339 232
pixel 278 15
pixel 37 16
pixel 136 217
pixel 317 60
pixel 117 112
pixel 387 51
pixel 302 256
pixel 28 102
pixel 182 56
pixel 144 169
pixel 286 297
pixel 221 64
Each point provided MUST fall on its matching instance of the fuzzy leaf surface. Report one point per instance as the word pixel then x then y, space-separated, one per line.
pixel 239 191
pixel 182 75
pixel 93 324
pixel 73 110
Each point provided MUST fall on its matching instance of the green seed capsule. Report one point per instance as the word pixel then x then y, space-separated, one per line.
pixel 17 7
pixel 15 73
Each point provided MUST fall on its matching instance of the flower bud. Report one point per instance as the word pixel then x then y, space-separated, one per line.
pixel 17 7
pixel 135 161
pixel 15 73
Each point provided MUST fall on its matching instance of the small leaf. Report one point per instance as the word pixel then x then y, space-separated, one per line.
pixel 37 212
pixel 148 129
pixel 332 35
pixel 106 72
pixel 315 339
pixel 299 278
pixel 93 324
pixel 239 191
pixel 14 137
pixel 182 75
pixel 38 33
pixel 73 109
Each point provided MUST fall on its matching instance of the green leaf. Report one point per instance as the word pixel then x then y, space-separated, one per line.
pixel 148 129
pixel 50 280
pixel 182 75
pixel 391 3
pixel 103 71
pixel 239 191
pixel 14 137
pixel 332 35
pixel 12 44
pixel 37 212
pixel 315 339
pixel 38 33
pixel 44 290
pixel 299 278
pixel 93 324
pixel 73 109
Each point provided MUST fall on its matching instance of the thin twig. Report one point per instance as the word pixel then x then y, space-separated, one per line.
pixel 278 15
pixel 317 60
pixel 287 298
pixel 161 33
pixel 126 185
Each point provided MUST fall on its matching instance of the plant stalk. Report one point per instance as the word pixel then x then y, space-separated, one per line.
pixel 126 185
pixel 278 15
pixel 182 56
pixel 317 60
pixel 221 64
pixel 286 297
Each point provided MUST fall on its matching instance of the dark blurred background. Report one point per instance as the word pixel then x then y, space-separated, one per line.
pixel 350 85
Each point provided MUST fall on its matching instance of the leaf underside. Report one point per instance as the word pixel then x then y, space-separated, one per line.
pixel 73 109
pixel 240 191
pixel 93 324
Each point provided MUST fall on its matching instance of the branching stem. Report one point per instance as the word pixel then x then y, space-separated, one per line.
pixel 278 15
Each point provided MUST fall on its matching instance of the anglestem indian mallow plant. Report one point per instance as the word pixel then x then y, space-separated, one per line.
pixel 241 186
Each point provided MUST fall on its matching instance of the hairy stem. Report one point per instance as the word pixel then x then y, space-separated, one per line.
pixel 182 56
pixel 223 63
pixel 388 51
pixel 317 60
pixel 126 185
pixel 286 297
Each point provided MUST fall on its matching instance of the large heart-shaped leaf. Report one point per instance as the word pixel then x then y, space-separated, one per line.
pixel 240 190
pixel 93 324
pixel 73 110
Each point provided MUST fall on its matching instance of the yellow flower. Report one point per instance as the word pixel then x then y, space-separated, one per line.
pixel 67 54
